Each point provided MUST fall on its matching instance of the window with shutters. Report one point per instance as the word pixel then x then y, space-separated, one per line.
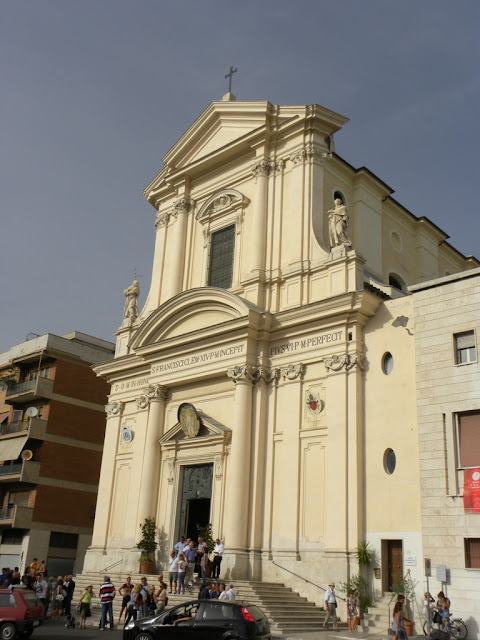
pixel 472 553
pixel 220 267
pixel 465 348
pixel 468 439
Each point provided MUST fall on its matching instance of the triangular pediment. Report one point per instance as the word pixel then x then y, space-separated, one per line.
pixel 209 429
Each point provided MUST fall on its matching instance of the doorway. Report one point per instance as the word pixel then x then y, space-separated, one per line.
pixel 193 509
pixel 392 561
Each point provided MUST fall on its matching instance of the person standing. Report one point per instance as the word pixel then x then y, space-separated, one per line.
pixel 125 591
pixel 398 630
pixel 34 568
pixel 231 592
pixel 68 589
pixel 179 547
pixel 182 565
pixel 41 586
pixel 203 566
pixel 217 558
pixel 190 558
pixel 59 595
pixel 173 571
pixel 107 594
pixel 84 605
pixel 331 606
pixel 443 608
pixel 223 594
pixel 145 592
pixel 352 611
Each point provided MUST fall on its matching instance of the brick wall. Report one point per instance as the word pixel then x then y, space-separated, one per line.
pixel 71 421
pixel 56 505
pixel 69 463
pixel 78 381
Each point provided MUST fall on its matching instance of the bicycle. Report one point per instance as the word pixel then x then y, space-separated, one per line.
pixel 458 628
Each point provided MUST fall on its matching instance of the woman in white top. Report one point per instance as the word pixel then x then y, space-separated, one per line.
pixel 181 573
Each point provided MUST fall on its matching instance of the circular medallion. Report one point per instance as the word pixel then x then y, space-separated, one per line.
pixel 127 435
pixel 313 402
pixel 188 418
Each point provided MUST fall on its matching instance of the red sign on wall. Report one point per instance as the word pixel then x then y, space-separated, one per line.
pixel 471 490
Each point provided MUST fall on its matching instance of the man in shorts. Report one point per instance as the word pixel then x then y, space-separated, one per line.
pixel 173 571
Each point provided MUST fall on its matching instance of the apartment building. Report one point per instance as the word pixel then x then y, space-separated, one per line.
pixel 52 426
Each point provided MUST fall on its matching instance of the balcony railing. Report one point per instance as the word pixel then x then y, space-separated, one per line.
pixel 7 514
pixel 14 427
pixel 17 516
pixel 20 387
pixel 36 428
pixel 11 469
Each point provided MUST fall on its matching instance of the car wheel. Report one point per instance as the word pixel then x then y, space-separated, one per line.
pixel 144 635
pixel 7 631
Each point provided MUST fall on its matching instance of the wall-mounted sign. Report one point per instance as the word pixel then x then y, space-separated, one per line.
pixel 441 572
pixel 411 561
pixel 188 418
pixel 127 435
pixel 471 490
pixel 428 567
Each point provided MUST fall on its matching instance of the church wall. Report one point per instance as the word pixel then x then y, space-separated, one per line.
pixel 392 501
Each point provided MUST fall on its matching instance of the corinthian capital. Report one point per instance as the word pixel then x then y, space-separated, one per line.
pixel 182 205
pixel 161 220
pixel 261 168
pixel 293 371
pixel 243 373
pixel 114 408
pixel 150 393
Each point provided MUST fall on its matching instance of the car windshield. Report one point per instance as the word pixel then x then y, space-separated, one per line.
pixel 255 612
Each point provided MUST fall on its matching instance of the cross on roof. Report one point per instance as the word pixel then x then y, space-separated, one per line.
pixel 229 76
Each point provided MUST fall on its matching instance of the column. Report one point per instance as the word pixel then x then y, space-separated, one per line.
pixel 105 485
pixel 176 249
pixel 238 471
pixel 260 170
pixel 155 396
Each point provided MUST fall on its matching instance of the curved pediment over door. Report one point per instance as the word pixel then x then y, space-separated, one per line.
pixel 190 312
pixel 210 432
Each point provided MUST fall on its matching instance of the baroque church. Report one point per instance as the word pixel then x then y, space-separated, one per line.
pixel 267 386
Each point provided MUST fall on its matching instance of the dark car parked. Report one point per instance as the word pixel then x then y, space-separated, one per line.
pixel 20 612
pixel 212 619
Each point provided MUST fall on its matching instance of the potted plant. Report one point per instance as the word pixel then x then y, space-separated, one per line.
pixel 148 546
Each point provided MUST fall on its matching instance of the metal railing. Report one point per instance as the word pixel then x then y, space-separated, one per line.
pixel 111 565
pixel 7 514
pixel 304 579
pixel 13 427
pixel 11 469
pixel 21 386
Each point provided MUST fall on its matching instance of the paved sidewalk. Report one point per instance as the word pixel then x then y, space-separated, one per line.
pixel 343 634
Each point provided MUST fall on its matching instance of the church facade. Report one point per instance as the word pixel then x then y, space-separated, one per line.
pixel 268 385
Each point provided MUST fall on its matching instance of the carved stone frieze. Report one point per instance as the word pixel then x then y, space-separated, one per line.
pixel 114 409
pixel 292 372
pixel 344 360
pixel 298 157
pixel 171 470
pixel 151 392
pixel 243 373
pixel 268 375
pixel 218 465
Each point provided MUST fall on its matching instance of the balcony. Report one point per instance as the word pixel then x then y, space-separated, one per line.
pixel 26 471
pixel 32 428
pixel 30 390
pixel 17 517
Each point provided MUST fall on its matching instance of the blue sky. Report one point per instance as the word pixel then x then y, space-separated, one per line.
pixel 96 91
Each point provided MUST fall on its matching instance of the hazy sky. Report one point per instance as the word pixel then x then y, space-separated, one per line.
pixel 94 92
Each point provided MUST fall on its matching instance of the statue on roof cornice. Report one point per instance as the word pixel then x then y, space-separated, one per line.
pixel 130 310
pixel 337 225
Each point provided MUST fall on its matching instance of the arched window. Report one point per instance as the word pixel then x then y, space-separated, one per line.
pixel 397 282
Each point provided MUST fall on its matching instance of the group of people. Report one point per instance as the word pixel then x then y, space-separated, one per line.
pixel 185 558
pixel 438 612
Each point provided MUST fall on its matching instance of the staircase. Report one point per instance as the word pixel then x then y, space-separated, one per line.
pixel 377 619
pixel 286 610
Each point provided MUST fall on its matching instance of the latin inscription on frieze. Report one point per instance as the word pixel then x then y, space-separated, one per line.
pixel 206 356
pixel 303 344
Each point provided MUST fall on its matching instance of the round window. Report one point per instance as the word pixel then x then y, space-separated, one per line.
pixel 389 461
pixel 387 363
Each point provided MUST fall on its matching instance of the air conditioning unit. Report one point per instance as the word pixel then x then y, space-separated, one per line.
pixel 27 454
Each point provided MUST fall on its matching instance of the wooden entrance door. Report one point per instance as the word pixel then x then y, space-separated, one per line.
pixel 395 562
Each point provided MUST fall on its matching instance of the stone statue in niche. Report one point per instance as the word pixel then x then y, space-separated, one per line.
pixel 337 225
pixel 130 311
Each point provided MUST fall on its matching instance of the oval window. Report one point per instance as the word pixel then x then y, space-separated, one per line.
pixel 387 363
pixel 389 461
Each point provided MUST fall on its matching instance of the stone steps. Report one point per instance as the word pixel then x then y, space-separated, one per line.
pixel 286 610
